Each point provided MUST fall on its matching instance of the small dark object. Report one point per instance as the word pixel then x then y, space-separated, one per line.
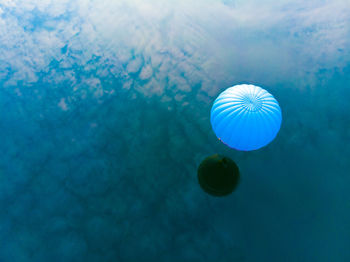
pixel 218 175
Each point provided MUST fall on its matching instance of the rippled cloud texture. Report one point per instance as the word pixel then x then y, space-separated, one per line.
pixel 157 40
pixel 105 118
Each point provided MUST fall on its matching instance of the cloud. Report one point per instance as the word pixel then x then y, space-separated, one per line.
pixel 107 113
pixel 208 39
pixel 63 105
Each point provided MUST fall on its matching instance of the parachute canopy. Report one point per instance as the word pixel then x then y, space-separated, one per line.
pixel 246 117
pixel 218 175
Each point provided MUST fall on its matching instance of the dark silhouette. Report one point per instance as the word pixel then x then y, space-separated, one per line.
pixel 218 175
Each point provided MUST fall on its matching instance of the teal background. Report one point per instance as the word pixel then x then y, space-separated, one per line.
pixel 105 117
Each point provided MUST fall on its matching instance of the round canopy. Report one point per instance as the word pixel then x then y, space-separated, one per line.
pixel 246 117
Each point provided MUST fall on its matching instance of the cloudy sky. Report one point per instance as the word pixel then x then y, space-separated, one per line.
pixel 105 118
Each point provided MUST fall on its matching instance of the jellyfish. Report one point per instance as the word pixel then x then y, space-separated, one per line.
pixel 246 117
pixel 218 175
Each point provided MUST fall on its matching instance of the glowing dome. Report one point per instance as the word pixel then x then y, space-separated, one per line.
pixel 246 117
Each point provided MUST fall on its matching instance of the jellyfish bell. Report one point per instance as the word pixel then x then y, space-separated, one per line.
pixel 246 117
pixel 218 175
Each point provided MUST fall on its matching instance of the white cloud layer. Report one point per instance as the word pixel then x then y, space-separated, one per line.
pixel 202 40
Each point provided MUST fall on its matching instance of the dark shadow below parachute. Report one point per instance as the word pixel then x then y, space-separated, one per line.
pixel 218 175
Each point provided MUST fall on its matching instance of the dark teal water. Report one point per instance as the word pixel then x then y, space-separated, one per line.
pixel 105 118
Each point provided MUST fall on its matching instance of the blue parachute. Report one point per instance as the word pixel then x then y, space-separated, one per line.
pixel 246 117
